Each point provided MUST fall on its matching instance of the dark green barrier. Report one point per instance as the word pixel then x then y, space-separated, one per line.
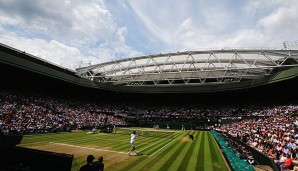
pixel 234 160
pixel 258 156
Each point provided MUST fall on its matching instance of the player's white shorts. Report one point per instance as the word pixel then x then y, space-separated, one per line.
pixel 132 144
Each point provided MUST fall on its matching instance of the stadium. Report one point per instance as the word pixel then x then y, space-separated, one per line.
pixel 240 105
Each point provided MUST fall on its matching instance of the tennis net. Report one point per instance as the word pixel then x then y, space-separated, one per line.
pixel 150 133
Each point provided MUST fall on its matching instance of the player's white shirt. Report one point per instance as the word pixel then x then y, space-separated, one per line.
pixel 133 137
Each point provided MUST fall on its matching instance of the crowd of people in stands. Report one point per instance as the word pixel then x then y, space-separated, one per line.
pixel 239 149
pixel 30 112
pixel 274 132
pixel 23 113
pixel 275 136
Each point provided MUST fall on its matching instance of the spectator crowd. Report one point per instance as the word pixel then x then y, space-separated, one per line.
pixel 31 113
pixel 272 128
pixel 275 136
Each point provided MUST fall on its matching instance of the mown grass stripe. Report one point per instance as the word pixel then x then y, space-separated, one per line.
pixel 39 140
pixel 192 152
pixel 138 163
pixel 104 141
pixel 76 140
pixel 221 165
pixel 101 142
pixel 109 142
pixel 76 146
pixel 168 162
pixel 143 164
pixel 164 156
pixel 164 146
pixel 177 155
pixel 140 145
pixel 28 139
pixel 124 143
pixel 213 153
pixel 144 148
pixel 155 148
pixel 201 155
pixel 85 141
pixel 207 159
pixel 180 161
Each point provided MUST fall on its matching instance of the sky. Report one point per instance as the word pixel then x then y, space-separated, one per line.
pixel 76 33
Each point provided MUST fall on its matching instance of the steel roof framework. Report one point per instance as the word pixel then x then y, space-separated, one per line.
pixel 191 67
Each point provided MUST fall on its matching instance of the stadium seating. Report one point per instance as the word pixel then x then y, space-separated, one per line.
pixel 232 157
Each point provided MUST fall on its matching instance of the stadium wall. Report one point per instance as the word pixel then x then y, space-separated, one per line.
pixel 14 158
pixel 23 159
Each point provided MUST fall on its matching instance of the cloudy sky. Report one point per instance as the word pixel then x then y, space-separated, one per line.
pixel 71 32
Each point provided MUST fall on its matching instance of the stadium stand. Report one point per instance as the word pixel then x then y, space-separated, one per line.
pixel 259 122
pixel 272 136
pixel 233 156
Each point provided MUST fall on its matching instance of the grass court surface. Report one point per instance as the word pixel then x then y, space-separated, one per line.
pixel 172 151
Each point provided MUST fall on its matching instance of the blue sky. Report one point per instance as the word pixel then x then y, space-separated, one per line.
pixel 69 32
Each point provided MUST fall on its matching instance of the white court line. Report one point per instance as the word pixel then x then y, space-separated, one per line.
pixel 165 145
pixel 153 144
pixel 89 148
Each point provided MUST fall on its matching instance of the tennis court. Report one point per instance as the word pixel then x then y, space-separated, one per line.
pixel 159 149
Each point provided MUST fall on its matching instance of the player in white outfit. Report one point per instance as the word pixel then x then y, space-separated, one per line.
pixel 132 142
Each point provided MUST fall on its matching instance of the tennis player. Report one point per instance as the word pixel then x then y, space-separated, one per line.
pixel 190 137
pixel 132 142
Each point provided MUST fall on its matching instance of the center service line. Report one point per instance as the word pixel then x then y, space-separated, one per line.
pixel 153 144
pixel 165 145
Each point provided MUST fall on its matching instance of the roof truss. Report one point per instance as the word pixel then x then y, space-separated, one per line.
pixel 192 67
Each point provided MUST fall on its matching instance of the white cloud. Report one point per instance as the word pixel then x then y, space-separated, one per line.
pixel 282 22
pixel 277 23
pixel 217 17
pixel 53 51
pixel 63 32
pixel 246 38
pixel 149 21
pixel 70 31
